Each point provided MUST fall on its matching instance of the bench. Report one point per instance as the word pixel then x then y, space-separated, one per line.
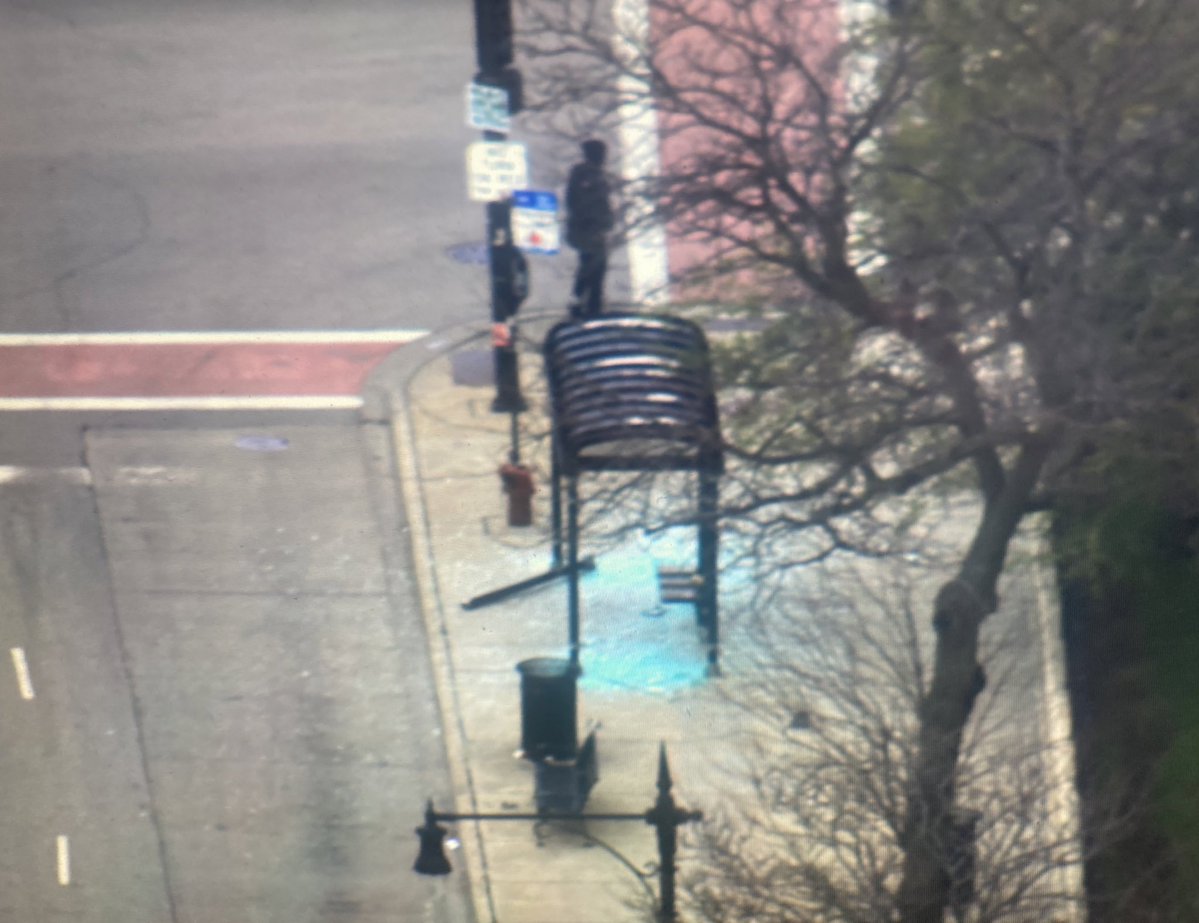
pixel 562 786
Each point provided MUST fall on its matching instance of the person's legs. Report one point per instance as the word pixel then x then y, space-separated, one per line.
pixel 585 300
pixel 597 270
pixel 580 283
pixel 579 289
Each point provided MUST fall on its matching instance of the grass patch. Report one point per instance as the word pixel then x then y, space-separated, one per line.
pixel 1169 607
pixel 1133 633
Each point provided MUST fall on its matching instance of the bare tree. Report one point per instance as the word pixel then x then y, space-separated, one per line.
pixel 811 822
pixel 970 228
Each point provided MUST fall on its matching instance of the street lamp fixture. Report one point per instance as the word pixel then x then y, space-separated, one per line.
pixel 665 816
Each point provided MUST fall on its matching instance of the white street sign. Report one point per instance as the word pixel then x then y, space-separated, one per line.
pixel 535 221
pixel 487 108
pixel 494 169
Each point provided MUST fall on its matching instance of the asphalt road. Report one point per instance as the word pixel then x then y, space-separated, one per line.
pixel 169 165
pixel 230 711
pixel 216 704
pixel 71 763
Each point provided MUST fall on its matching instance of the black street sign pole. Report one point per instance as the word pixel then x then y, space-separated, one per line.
pixel 502 258
pixel 493 46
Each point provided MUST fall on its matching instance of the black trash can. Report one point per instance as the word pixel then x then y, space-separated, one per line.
pixel 548 708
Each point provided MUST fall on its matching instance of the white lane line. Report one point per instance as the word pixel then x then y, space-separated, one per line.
pixel 284 402
pixel 15 473
pixel 21 665
pixel 64 860
pixel 247 337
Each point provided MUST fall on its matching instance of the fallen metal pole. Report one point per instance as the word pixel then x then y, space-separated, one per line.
pixel 494 596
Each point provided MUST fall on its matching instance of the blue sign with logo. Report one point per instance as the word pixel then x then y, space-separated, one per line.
pixel 535 199
pixel 535 221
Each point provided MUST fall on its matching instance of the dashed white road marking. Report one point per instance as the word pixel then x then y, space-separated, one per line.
pixel 21 665
pixel 63 860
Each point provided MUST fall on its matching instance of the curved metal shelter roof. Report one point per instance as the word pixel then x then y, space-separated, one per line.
pixel 632 392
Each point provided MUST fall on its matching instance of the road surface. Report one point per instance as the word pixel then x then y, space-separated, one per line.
pixel 167 165
pixel 216 703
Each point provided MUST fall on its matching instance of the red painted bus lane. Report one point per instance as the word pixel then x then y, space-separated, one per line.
pixel 106 367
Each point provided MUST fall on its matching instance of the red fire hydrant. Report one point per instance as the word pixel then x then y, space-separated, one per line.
pixel 518 485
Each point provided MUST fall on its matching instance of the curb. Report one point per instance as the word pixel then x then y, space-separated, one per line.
pixel 387 400
pixel 408 474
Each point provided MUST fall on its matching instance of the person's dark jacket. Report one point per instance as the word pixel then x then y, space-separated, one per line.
pixel 588 211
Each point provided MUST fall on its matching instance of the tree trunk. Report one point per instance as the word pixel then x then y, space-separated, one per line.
pixel 957 680
pixel 929 836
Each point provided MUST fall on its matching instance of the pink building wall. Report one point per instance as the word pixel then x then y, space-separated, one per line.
pixel 766 69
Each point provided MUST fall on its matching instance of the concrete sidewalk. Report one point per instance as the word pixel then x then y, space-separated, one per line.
pixel 643 680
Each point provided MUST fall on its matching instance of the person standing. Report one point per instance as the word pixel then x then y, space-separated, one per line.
pixel 588 221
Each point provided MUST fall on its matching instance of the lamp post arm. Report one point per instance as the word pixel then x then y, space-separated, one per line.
pixel 545 815
pixel 665 817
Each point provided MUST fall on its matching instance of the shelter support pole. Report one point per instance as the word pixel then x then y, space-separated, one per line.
pixel 555 502
pixel 709 539
pixel 572 545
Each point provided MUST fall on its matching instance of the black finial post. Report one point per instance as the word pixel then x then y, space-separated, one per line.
pixel 664 781
pixel 664 816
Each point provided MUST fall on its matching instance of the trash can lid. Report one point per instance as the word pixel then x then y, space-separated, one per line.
pixel 546 667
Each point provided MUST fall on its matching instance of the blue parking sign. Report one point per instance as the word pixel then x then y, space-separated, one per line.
pixel 536 199
pixel 535 221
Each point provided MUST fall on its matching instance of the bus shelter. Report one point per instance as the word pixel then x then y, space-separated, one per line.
pixel 635 393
